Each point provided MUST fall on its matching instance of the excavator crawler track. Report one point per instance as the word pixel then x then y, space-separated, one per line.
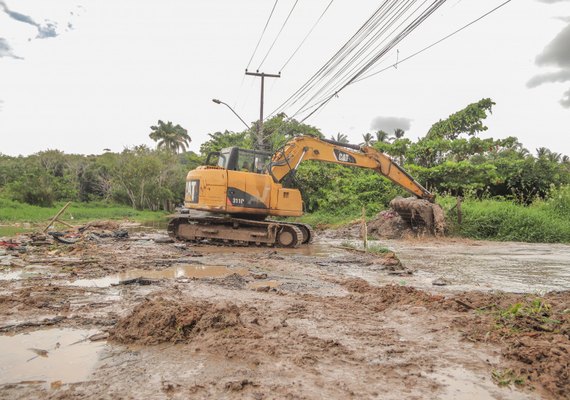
pixel 238 231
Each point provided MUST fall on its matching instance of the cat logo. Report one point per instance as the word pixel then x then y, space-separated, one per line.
pixel 344 157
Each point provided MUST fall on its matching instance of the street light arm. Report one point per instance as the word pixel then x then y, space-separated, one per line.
pixel 232 110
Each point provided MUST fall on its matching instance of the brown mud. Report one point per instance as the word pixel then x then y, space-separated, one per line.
pixel 316 322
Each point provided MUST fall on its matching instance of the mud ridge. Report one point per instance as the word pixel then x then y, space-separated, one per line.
pixel 162 320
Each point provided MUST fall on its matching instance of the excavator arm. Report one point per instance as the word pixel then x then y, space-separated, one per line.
pixel 302 148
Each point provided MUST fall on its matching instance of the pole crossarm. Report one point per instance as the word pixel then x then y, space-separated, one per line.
pixel 260 142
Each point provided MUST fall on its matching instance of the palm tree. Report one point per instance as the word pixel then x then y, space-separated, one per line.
pixel 542 152
pixel 169 136
pixel 368 139
pixel 565 160
pixel 340 137
pixel 399 133
pixel 382 136
pixel 554 157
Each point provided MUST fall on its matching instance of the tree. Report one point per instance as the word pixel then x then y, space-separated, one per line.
pixel 279 129
pixel 399 133
pixel 368 139
pixel 340 137
pixel 221 140
pixel 468 120
pixel 382 136
pixel 169 136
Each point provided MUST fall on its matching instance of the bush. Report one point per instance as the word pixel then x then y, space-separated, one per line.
pixel 493 219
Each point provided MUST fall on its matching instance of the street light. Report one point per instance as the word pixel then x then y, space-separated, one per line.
pixel 236 114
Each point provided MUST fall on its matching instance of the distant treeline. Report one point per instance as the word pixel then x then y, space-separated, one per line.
pixel 139 177
pixel 449 160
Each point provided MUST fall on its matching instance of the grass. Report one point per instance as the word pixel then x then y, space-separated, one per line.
pixel 506 377
pixel 493 219
pixel 372 247
pixel 18 217
pixel 377 249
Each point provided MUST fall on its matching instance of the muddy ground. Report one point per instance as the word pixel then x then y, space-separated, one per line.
pixel 110 316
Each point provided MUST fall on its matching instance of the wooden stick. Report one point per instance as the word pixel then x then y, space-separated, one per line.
pixel 56 216
pixel 364 229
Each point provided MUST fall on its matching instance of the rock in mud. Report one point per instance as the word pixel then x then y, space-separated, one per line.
pixel 441 281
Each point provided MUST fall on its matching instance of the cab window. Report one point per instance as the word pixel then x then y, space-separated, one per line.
pixel 246 161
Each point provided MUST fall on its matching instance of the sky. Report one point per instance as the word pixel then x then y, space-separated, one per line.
pixel 87 75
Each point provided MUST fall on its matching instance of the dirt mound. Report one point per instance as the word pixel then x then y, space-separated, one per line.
pixel 383 297
pixel 420 213
pixel 388 224
pixel 161 320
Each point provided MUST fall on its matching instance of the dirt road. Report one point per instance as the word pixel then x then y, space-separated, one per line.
pixel 317 322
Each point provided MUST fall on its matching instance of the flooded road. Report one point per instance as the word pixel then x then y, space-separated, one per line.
pixel 472 265
pixel 320 321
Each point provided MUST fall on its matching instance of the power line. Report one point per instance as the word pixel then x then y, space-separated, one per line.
pixel 345 49
pixel 278 34
pixel 386 16
pixel 356 61
pixel 306 36
pixel 324 102
pixel 412 26
pixel 262 33
pixel 436 42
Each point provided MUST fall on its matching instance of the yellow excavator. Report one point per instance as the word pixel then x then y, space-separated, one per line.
pixel 231 201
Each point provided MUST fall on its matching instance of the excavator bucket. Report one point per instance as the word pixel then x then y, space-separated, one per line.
pixel 420 213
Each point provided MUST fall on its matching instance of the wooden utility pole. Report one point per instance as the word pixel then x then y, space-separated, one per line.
pixel 262 75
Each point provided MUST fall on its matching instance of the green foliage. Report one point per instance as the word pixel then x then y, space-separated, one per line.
pixel 377 249
pixel 14 211
pixel 139 177
pixel 496 219
pixel 337 189
pixel 507 377
pixel 340 137
pixel 279 129
pixel 382 136
pixel 468 120
pixel 219 141
pixel 169 136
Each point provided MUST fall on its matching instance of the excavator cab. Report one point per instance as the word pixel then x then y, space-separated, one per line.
pixel 236 159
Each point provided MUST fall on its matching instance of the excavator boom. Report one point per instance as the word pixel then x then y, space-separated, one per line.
pixel 303 148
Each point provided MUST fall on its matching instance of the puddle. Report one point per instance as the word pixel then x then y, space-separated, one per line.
pixel 11 275
pixel 320 249
pixel 507 266
pixel 177 271
pixel 149 226
pixel 312 250
pixel 270 284
pixel 24 357
pixel 462 384
pixel 24 273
